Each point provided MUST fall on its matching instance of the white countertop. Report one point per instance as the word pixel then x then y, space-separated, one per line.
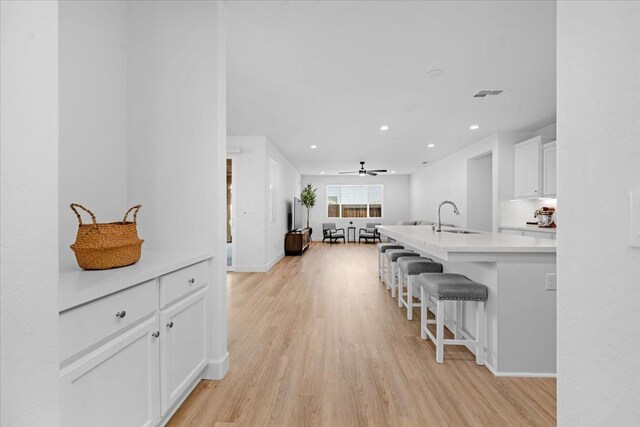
pixel 481 242
pixel 530 228
pixel 77 286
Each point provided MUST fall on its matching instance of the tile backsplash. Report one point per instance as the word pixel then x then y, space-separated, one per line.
pixel 518 212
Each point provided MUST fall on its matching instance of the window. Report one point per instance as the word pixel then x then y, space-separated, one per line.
pixel 354 201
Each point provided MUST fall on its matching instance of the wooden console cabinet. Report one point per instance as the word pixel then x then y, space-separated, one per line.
pixel 295 242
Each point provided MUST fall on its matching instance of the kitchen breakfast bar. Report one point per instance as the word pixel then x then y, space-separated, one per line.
pixel 520 310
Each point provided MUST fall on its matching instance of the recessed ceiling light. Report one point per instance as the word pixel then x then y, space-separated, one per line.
pixel 313 147
pixel 431 145
pixel 321 173
pixel 384 127
pixel 393 171
pixel 434 74
pixel 474 127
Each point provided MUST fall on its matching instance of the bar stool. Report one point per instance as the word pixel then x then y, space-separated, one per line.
pixel 392 256
pixel 408 270
pixel 382 248
pixel 451 287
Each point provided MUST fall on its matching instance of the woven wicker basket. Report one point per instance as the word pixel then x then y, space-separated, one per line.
pixel 100 246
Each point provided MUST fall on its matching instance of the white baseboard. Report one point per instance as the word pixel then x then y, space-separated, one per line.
pixel 216 369
pixel 274 261
pixel 250 268
pixel 258 268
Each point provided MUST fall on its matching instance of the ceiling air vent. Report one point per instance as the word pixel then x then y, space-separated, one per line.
pixel 487 93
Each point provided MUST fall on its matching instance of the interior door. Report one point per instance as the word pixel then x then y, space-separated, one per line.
pixel 183 348
pixel 116 385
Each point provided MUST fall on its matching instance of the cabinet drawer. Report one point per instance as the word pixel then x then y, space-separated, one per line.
pixel 86 325
pixel 174 286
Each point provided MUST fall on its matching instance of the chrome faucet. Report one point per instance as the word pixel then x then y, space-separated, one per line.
pixel 455 211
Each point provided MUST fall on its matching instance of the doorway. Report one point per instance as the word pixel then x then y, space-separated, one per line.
pixel 230 215
pixel 480 192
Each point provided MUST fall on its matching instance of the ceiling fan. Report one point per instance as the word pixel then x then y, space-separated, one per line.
pixel 363 171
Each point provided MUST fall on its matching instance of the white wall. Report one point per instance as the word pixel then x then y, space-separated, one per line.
pixel 395 204
pixel 176 128
pixel 288 182
pixel 93 114
pixel 447 180
pixel 480 193
pixel 259 243
pixel 29 213
pixel 173 108
pixel 598 166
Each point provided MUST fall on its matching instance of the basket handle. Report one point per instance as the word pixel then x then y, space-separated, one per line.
pixel 135 210
pixel 73 207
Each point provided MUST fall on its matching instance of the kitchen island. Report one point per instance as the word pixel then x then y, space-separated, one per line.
pixel 520 311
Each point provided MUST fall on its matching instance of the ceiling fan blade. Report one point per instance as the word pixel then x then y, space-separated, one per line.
pixel 377 170
pixel 371 173
pixel 342 173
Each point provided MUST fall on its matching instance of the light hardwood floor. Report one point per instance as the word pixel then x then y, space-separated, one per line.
pixel 319 341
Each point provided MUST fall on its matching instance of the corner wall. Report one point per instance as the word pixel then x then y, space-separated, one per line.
pixel 29 213
pixel 598 166
pixel 93 114
pixel 259 243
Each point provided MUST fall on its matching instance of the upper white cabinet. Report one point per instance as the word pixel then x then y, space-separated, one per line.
pixel 549 169
pixel 534 169
pixel 527 168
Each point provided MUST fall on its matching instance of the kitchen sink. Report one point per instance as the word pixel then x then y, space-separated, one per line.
pixel 460 231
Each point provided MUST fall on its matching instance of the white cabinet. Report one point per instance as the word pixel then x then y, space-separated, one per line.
pixel 527 168
pixel 183 352
pixel 549 169
pixel 125 358
pixel 117 385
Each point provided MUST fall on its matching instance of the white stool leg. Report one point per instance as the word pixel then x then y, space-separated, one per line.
pixel 457 324
pixel 392 280
pixel 387 271
pixel 400 280
pixel 480 333
pixel 379 264
pixel 440 331
pixel 410 280
pixel 423 314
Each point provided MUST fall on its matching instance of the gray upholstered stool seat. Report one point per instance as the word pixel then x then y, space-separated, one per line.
pixel 452 287
pixel 382 248
pixel 408 270
pixel 445 287
pixel 392 256
pixel 416 265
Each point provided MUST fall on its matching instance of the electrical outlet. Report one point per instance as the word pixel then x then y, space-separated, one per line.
pixel 551 281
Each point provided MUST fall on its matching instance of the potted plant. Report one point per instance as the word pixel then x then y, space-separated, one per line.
pixel 308 200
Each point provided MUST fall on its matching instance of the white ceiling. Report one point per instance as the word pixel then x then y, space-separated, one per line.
pixel 331 73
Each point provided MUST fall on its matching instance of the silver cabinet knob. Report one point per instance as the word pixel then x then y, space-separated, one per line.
pixel 170 325
pixel 121 314
pixel 192 281
pixel 155 334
